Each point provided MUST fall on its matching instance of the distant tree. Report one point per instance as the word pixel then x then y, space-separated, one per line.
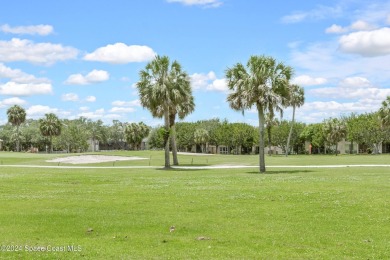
pixel 134 134
pixel 95 131
pixel 269 124
pixel 384 113
pixel 264 84
pixel 16 116
pixel 185 135
pixel 335 130
pixel 201 137
pixel 156 138
pixel 50 126
pixel 314 134
pixel 296 99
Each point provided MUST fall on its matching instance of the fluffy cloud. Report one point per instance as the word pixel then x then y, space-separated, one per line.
pixel 25 89
pixel 120 53
pixel 97 114
pixel 70 97
pixel 122 110
pixel 19 76
pixel 41 29
pixel 356 26
pixel 12 101
pixel 39 110
pixel 305 80
pixel 367 43
pixel 90 99
pixel 95 76
pixel 206 3
pixel 39 53
pixel 134 103
pixel 208 82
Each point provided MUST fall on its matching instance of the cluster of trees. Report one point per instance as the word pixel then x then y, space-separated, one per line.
pixel 78 135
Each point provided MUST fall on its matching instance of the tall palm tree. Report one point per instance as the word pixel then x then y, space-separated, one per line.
pixel 162 87
pixel 296 99
pixel 50 126
pixel 16 116
pixel 264 84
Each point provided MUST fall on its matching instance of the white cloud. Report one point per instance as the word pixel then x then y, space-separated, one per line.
pixel 319 13
pixel 208 82
pixel 19 76
pixel 84 109
pixel 133 103
pixel 39 53
pixel 206 3
pixel 355 82
pixel 97 114
pixel 25 89
pixel 70 97
pixel 41 29
pixel 39 110
pixel 336 29
pixel 359 25
pixel 90 99
pixel 367 43
pixel 95 76
pixel 122 110
pixel 120 53
pixel 305 80
pixel 12 101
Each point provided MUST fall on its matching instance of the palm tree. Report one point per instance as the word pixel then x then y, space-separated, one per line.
pixel 296 99
pixel 50 126
pixel 16 116
pixel 384 112
pixel 162 87
pixel 263 84
pixel 335 130
pixel 269 123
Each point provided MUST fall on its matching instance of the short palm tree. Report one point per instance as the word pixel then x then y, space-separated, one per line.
pixel 335 130
pixel 16 116
pixel 162 87
pixel 263 84
pixel 50 126
pixel 384 112
pixel 296 99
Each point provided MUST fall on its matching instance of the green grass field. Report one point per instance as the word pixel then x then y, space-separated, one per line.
pixel 288 213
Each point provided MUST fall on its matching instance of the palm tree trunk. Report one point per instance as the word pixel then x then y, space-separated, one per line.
pixel 174 146
pixel 166 139
pixel 51 145
pixel 173 139
pixel 261 138
pixel 290 133
pixel 17 139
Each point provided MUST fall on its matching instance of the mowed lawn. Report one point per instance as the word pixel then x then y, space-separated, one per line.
pixel 288 213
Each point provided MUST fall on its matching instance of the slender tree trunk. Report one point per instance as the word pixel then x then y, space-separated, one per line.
pixel 166 139
pixel 51 145
pixel 17 139
pixel 337 146
pixel 290 133
pixel 269 140
pixel 173 138
pixel 261 138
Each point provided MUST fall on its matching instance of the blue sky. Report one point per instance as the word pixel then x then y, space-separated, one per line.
pixel 82 58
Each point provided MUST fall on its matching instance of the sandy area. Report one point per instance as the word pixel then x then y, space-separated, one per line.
pixel 81 159
pixel 195 154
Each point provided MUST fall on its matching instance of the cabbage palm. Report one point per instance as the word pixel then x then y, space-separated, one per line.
pixel 16 116
pixel 384 112
pixel 162 87
pixel 296 99
pixel 50 126
pixel 263 83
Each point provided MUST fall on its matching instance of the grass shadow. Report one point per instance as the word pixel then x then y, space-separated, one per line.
pixel 180 169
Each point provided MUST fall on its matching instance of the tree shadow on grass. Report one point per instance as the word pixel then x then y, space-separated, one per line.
pixel 281 172
pixel 180 169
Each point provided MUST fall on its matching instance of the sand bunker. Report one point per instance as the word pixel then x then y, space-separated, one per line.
pixel 84 159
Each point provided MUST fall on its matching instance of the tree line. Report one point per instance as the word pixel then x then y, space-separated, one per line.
pixel 262 83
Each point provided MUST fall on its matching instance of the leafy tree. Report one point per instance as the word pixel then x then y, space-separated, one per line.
pixel 156 138
pixel 16 116
pixel 95 131
pixel 50 126
pixel 264 84
pixel 30 134
pixel 162 87
pixel 296 99
pixel 201 137
pixel 314 134
pixel 335 130
pixel 384 113
pixel 185 135
pixel 135 133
